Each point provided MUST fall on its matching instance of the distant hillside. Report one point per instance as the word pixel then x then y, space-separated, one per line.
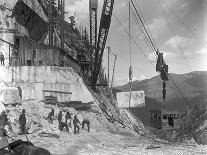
pixel 193 85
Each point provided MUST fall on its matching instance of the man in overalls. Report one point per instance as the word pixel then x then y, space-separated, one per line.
pixel 2 59
pixel 76 124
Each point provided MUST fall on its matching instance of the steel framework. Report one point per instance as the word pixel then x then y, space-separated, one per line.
pixel 93 31
pixel 103 33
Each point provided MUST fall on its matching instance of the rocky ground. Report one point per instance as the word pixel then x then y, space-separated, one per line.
pixel 104 137
pixel 120 143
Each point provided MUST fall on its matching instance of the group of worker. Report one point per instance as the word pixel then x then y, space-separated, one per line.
pixel 62 122
pixel 5 125
pixel 65 122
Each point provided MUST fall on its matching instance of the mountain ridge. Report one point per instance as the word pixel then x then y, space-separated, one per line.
pixel 193 86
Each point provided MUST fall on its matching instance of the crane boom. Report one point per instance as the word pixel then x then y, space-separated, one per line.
pixel 103 33
pixel 93 5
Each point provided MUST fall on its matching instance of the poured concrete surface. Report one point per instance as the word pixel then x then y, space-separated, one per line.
pixel 34 79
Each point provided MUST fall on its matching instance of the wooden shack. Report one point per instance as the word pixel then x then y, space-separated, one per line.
pixel 34 53
pixel 165 119
pixel 24 37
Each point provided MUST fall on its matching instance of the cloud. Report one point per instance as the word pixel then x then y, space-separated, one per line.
pixel 168 3
pixel 142 77
pixel 124 25
pixel 205 38
pixel 157 26
pixel 152 57
pixel 122 5
pixel 122 81
pixel 166 55
pixel 169 54
pixel 183 6
pixel 201 51
pixel 182 41
pixel 81 7
pixel 202 54
pixel 134 78
pixel 188 54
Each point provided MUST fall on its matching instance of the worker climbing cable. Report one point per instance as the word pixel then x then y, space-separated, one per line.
pixel 130 51
pixel 164 90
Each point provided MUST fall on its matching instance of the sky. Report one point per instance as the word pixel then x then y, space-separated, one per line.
pixel 182 37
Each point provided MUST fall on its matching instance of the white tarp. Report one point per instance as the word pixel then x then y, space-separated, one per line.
pixel 137 99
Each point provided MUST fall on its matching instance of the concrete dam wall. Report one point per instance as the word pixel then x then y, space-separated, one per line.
pixel 33 80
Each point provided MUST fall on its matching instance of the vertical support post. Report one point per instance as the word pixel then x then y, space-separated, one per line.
pixel 102 37
pixel 109 49
pixel 130 93
pixel 50 24
pixel 62 24
pixel 9 54
pixel 93 6
pixel 112 80
pixel 130 73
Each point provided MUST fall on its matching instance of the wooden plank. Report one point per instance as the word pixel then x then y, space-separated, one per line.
pixel 53 91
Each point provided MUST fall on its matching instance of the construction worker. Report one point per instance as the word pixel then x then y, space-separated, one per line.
pixel 2 59
pixel 22 122
pixel 14 57
pixel 68 120
pixel 20 93
pixel 60 115
pixel 86 121
pixel 3 123
pixel 76 124
pixel 50 116
pixel 4 118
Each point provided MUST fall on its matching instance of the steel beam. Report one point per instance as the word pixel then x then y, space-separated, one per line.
pixel 103 33
pixel 93 31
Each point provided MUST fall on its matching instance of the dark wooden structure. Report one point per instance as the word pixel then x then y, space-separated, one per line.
pixel 165 119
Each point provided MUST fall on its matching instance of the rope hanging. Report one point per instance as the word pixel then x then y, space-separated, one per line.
pixel 130 67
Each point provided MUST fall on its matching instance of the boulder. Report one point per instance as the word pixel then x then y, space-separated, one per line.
pixel 9 95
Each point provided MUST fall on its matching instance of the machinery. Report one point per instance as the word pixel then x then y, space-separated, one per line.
pixel 93 5
pixel 97 53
